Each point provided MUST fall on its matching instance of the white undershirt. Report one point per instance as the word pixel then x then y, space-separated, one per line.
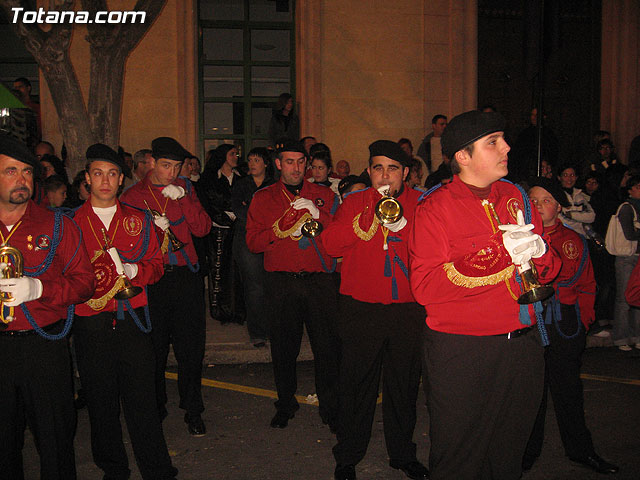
pixel 105 214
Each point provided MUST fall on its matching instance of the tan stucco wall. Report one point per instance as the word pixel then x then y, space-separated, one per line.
pixel 160 81
pixel 620 81
pixel 382 69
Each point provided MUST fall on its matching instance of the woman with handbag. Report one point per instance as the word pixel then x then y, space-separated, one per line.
pixel 626 321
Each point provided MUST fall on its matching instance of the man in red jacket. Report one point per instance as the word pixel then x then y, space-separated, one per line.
pixel 569 313
pixel 380 324
pixel 176 302
pixel 299 287
pixel 484 361
pixel 112 336
pixel 35 379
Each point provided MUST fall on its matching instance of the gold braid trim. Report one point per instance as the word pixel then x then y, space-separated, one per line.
pixel 100 303
pixel 368 235
pixel 164 248
pixel 461 280
pixel 287 233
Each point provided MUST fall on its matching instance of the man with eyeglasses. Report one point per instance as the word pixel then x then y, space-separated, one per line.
pixel 579 211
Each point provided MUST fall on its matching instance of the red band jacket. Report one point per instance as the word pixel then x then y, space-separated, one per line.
pixel 271 221
pixel 371 273
pixel 186 215
pixel 68 280
pixel 459 268
pixel 569 290
pixel 127 232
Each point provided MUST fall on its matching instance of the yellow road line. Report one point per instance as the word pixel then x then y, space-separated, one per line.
pixel 604 378
pixel 260 392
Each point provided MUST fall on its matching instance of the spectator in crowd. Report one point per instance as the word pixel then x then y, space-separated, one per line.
pixel 579 212
pixel 307 142
pixel 44 148
pixel 569 313
pixel 634 153
pixel 55 189
pixel 414 179
pixel 430 150
pixel 142 163
pixel 250 265
pixel 52 165
pixel 605 158
pixel 321 167
pixel 546 169
pixel 523 158
pixel 78 192
pixel 22 90
pixel 626 320
pixel 442 175
pixel 352 183
pixel 343 169
pixel 284 124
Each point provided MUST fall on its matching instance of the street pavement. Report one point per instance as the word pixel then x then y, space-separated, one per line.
pixel 240 445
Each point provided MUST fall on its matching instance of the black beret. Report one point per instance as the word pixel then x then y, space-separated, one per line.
pixel 389 149
pixel 291 146
pixel 466 128
pixel 14 148
pixel 99 151
pixel 167 147
pixel 551 186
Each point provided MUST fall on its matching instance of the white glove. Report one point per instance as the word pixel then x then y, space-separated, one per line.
pixel 23 289
pixel 162 222
pixel 130 270
pixel 173 192
pixel 298 232
pixel 113 253
pixel 520 242
pixel 397 226
pixel 384 189
pixel 303 203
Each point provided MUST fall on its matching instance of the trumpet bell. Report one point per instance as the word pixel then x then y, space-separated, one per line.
pixel 14 267
pixel 175 243
pixel 128 291
pixel 388 210
pixel 534 292
pixel 311 228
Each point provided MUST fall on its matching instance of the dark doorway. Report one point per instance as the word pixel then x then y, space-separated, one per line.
pixel 508 67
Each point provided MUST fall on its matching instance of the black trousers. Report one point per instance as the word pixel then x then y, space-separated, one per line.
pixel 483 395
pixel 36 387
pixel 116 363
pixel 562 378
pixel 378 339
pixel 295 302
pixel 176 304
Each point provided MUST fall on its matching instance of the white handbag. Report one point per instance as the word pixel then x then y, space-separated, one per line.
pixel 615 241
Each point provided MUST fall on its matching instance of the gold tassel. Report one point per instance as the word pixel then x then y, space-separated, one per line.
pixel 461 280
pixel 368 235
pixel 287 233
pixel 100 303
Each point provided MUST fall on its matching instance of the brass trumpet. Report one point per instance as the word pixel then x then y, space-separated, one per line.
pixel 175 243
pixel 14 269
pixel 388 209
pixel 311 228
pixel 533 290
pixel 128 290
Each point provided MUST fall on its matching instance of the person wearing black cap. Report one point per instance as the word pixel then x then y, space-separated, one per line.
pixel 569 312
pixel 36 385
pixel 298 285
pixel 484 361
pixel 112 336
pixel 176 302
pixel 380 323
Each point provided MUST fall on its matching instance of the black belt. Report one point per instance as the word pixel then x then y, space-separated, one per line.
pixel 25 333
pixel 516 333
pixel 298 274
pixel 173 268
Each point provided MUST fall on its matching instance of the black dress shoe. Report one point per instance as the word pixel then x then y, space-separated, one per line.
pixel 597 464
pixel 414 470
pixel 195 425
pixel 281 419
pixel 346 472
